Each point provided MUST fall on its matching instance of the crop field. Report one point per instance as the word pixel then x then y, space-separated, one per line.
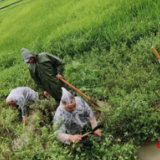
pixel 106 48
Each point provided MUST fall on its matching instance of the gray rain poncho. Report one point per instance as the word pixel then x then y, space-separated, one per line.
pixel 20 95
pixel 73 122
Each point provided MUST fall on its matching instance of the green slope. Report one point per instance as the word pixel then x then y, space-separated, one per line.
pixel 106 46
pixel 73 27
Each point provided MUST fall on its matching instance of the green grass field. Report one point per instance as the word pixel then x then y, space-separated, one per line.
pixel 106 46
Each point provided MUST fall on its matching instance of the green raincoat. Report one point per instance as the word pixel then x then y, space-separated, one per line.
pixel 44 72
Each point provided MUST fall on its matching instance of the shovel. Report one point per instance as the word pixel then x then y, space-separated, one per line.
pixel 86 134
pixel 96 105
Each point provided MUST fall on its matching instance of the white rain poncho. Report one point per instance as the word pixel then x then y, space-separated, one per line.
pixel 20 95
pixel 73 122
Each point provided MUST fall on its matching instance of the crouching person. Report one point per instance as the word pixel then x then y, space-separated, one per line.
pixel 73 114
pixel 19 96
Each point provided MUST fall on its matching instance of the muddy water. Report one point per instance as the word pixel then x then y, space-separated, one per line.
pixel 149 151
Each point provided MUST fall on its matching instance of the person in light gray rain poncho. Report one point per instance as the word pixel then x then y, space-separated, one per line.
pixel 19 96
pixel 73 114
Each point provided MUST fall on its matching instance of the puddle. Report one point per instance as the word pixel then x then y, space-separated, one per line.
pixel 149 151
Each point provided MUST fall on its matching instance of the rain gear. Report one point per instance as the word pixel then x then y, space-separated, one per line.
pixel 44 72
pixel 20 95
pixel 72 122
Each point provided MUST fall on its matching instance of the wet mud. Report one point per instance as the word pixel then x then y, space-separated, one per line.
pixel 149 151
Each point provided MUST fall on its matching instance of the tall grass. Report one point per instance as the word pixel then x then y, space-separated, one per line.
pixel 106 48
pixel 76 22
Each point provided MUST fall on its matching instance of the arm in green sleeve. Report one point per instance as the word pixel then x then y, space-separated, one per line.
pixel 57 62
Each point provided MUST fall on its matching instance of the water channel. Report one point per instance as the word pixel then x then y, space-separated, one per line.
pixel 149 151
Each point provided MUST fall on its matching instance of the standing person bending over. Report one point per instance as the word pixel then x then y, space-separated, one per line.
pixel 74 113
pixel 43 69
pixel 19 95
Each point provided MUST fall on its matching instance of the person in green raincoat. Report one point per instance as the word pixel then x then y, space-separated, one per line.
pixel 43 69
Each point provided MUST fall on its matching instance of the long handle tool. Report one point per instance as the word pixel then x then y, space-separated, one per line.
pixel 96 105
pixel 155 52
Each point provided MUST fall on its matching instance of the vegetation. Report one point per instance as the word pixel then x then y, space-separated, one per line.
pixel 106 46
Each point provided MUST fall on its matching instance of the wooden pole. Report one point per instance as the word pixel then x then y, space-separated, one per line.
pixel 155 52
pixel 96 105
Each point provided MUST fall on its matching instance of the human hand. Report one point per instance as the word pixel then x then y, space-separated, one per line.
pixel 159 60
pixel 98 132
pixel 75 138
pixel 24 120
pixel 46 94
pixel 59 76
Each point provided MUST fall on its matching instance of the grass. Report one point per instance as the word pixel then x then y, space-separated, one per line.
pixel 73 27
pixel 106 46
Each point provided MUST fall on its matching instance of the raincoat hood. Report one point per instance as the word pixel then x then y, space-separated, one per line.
pixel 27 53
pixel 66 97
pixel 20 95
pixel 14 95
pixel 10 98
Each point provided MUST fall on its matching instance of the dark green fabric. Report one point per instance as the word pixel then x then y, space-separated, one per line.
pixel 44 72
